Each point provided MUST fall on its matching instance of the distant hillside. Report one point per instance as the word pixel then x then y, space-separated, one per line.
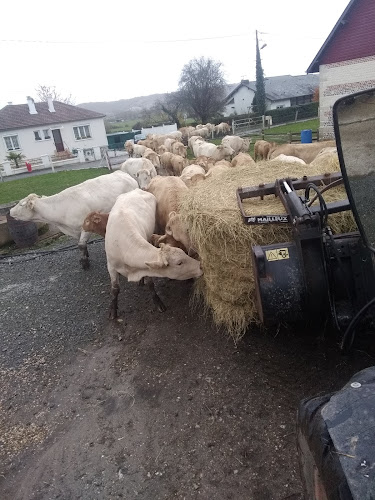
pixel 113 108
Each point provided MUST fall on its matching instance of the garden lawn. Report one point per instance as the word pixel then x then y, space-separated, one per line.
pixel 46 184
pixel 127 126
pixel 293 127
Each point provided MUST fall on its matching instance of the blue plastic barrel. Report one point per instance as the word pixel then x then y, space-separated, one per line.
pixel 306 136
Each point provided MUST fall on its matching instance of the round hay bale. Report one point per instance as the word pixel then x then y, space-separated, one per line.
pixel 224 242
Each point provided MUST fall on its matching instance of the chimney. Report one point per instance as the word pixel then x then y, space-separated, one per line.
pixel 10 103
pixel 31 104
pixel 51 109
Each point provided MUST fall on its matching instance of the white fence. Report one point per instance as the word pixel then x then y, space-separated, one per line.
pixel 161 129
pixel 8 168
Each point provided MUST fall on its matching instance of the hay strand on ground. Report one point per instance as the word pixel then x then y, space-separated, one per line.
pixel 224 242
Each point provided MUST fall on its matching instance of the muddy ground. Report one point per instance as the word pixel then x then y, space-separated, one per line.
pixel 156 406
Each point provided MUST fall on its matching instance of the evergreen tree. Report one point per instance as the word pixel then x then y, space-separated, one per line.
pixel 259 101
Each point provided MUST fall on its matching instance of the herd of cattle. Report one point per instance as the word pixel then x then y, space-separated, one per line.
pixel 137 207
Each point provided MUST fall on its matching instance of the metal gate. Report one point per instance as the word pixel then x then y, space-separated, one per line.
pixel 247 126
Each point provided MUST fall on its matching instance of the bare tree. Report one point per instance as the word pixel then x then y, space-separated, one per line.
pixel 202 87
pixel 45 91
pixel 172 105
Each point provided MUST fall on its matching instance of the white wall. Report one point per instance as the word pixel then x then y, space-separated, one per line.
pixel 276 104
pixel 339 79
pixel 162 129
pixel 33 149
pixel 243 99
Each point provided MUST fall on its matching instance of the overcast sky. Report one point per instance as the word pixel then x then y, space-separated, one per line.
pixel 104 51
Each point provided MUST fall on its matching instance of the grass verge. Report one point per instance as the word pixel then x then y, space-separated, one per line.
pixel 293 127
pixel 46 184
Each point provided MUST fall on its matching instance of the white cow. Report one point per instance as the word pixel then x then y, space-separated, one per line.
pixel 203 132
pixel 242 160
pixel 138 150
pixel 69 208
pixel 130 227
pixel 187 132
pixel 210 127
pixel 168 143
pixel 237 143
pixel 216 152
pixel 222 129
pixel 192 140
pixel 288 159
pixel 169 192
pixel 129 147
pixel 141 169
pixel 152 156
pixel 175 135
pixel 173 164
pixel 179 149
pixel 192 174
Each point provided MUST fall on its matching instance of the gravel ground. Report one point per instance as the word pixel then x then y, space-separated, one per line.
pixel 154 406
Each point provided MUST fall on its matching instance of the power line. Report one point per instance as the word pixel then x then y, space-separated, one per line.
pixel 73 42
pixel 176 40
pixel 283 35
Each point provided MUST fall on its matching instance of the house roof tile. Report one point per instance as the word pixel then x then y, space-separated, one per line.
pixel 283 87
pixel 314 66
pixel 16 116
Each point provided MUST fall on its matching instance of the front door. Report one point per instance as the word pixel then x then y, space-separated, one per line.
pixel 58 140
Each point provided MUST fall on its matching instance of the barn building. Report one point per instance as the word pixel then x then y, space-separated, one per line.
pixel 346 60
pixel 281 92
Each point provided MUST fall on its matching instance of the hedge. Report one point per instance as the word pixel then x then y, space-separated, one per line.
pixel 282 115
pixel 285 115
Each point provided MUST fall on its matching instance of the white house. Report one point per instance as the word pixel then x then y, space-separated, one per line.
pixel 281 92
pixel 48 128
pixel 346 60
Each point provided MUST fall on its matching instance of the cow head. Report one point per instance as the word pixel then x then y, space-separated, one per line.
pixel 93 219
pixel 144 177
pixel 178 229
pixel 226 150
pixel 173 263
pixel 25 209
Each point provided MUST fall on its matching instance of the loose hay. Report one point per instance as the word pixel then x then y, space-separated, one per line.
pixel 224 242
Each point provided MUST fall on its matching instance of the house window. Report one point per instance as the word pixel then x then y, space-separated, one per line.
pixel 303 99
pixel 82 132
pixel 280 106
pixel 40 135
pixel 11 142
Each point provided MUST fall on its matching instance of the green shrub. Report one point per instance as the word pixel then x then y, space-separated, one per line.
pixel 284 115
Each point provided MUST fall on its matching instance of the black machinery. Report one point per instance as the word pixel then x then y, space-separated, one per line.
pixel 318 275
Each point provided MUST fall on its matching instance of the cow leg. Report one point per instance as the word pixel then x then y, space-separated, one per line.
pixel 115 290
pixel 155 297
pixel 82 245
